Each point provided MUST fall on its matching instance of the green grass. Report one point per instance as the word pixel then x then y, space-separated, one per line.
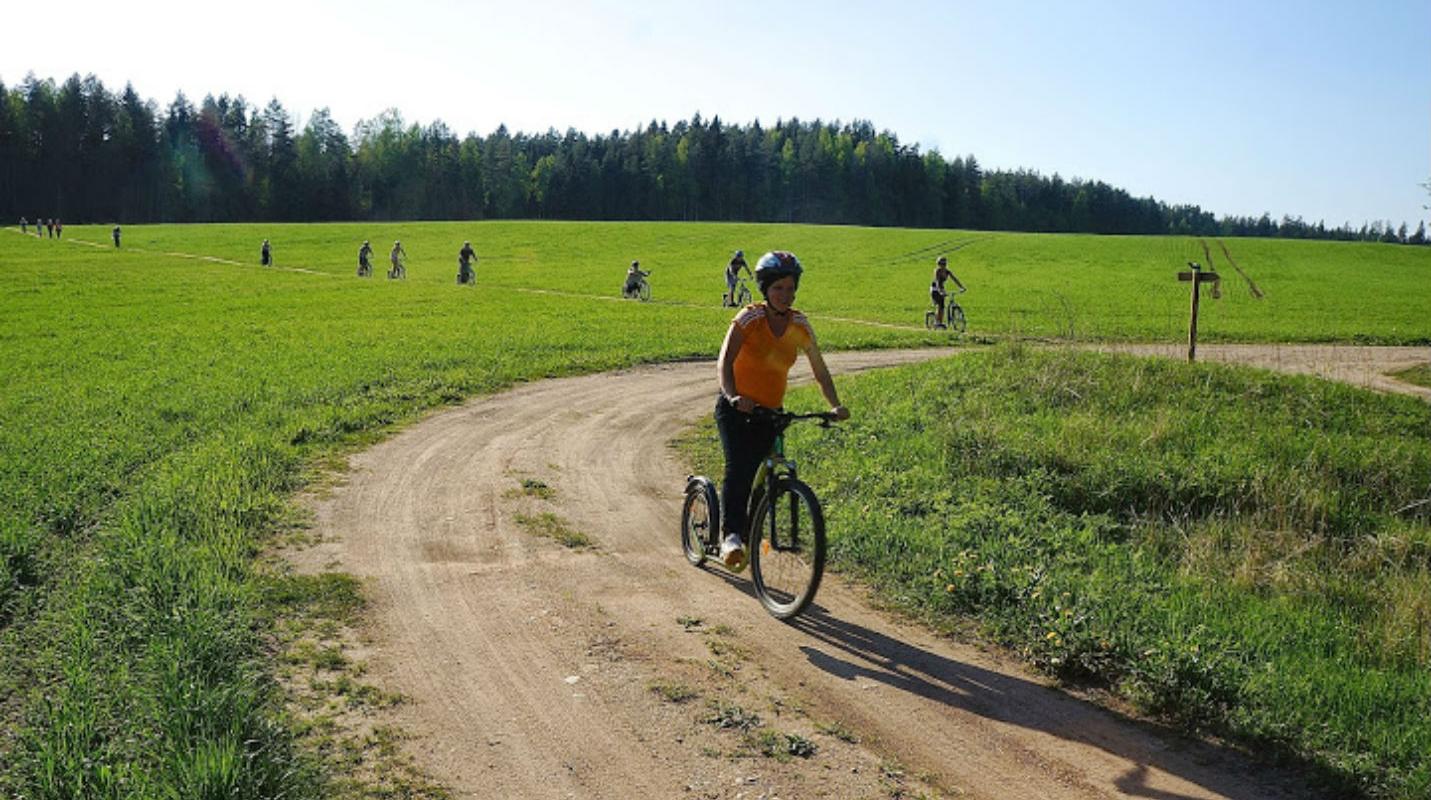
pixel 1103 287
pixel 1420 375
pixel 674 692
pixel 161 410
pixel 1234 550
pixel 531 487
pixel 551 526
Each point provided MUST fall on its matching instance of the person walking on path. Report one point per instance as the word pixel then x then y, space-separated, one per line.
pixel 115 233
pixel 59 229
pixel 24 223
pixel 50 227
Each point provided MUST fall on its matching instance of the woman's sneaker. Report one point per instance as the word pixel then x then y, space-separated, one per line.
pixel 732 553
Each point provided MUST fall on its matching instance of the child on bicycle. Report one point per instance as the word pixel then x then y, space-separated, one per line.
pixel 633 279
pixel 937 292
pixel 732 274
pixel 466 257
pixel 365 265
pixel 754 365
pixel 396 256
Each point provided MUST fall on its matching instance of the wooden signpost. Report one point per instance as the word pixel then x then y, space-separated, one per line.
pixel 1196 277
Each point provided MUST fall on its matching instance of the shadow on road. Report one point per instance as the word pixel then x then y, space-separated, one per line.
pixel 853 651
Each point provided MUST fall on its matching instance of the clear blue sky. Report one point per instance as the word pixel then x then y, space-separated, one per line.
pixel 1313 109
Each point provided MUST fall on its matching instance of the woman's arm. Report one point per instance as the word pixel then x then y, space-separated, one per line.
pixel 822 377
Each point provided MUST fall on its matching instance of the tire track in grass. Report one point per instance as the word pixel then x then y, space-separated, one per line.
pixel 191 256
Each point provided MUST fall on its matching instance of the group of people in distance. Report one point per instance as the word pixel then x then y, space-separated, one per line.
pixel 397 256
pixel 53 226
pixel 466 259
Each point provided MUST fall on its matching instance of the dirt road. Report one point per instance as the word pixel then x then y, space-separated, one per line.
pixel 1367 367
pixel 535 670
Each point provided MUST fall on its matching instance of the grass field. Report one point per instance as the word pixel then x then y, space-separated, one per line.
pixel 160 410
pixel 1258 568
pixel 1114 287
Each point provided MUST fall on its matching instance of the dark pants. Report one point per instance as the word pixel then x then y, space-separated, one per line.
pixel 746 442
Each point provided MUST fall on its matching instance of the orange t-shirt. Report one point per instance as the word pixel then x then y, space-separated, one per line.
pixel 763 364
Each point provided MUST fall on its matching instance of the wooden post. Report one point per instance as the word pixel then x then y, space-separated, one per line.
pixel 1196 277
pixel 1192 323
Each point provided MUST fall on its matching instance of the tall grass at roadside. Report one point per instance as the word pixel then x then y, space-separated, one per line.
pixel 1238 551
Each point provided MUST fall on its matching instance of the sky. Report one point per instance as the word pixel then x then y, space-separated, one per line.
pixel 1319 110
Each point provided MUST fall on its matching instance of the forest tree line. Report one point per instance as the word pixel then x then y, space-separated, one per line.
pixel 82 153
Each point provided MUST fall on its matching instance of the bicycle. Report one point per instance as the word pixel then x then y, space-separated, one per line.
pixel 954 319
pixel 466 275
pixel 785 529
pixel 398 271
pixel 365 269
pixel 742 295
pixel 642 291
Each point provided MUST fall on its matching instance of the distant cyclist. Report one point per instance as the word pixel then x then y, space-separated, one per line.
pixel 732 274
pixel 466 257
pixel 365 263
pixel 754 365
pixel 115 234
pixel 937 293
pixel 634 274
pixel 396 257
pixel 265 254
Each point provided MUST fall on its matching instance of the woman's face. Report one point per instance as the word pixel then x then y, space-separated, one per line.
pixel 781 294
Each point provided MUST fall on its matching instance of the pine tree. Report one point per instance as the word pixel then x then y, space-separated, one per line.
pixel 1419 237
pixel 284 190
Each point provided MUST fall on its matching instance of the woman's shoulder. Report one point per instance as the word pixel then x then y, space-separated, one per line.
pixel 750 314
pixel 798 317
